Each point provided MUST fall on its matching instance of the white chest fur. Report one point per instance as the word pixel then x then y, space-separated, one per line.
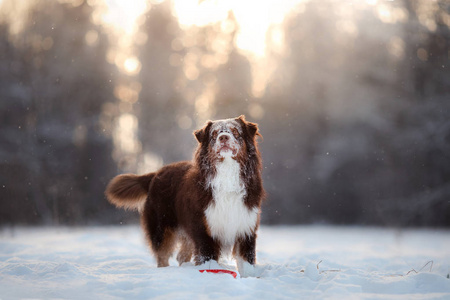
pixel 227 216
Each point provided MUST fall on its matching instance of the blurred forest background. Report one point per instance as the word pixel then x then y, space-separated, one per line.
pixel 352 98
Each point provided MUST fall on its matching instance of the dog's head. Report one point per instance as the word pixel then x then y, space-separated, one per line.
pixel 234 138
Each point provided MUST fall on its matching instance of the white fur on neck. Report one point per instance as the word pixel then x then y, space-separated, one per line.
pixel 227 216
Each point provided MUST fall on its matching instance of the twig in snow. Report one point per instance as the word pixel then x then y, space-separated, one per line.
pixel 428 263
pixel 414 271
pixel 318 265
pixel 431 266
pixel 410 271
pixel 325 271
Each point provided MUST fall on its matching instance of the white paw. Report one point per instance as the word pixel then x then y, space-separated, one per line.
pixel 245 269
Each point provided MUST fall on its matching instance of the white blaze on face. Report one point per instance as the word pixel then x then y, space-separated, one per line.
pixel 225 134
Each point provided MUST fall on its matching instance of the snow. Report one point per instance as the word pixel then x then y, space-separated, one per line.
pixel 305 262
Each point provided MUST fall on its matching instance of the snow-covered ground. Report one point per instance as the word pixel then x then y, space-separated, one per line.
pixel 301 262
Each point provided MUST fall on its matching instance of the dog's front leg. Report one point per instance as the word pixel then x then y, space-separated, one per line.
pixel 245 253
pixel 206 248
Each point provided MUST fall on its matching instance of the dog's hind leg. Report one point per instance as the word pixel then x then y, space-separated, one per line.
pixel 160 236
pixel 186 250
pixel 164 248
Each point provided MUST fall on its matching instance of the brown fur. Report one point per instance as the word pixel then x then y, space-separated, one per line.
pixel 128 190
pixel 174 199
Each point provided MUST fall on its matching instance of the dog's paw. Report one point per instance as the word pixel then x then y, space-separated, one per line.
pixel 245 269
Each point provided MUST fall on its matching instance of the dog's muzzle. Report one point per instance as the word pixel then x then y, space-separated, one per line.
pixel 225 143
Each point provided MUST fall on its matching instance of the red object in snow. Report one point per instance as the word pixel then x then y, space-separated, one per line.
pixel 218 271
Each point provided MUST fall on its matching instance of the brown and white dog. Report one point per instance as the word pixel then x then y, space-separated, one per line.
pixel 210 205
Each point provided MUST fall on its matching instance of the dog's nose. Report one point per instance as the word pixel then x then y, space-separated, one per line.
pixel 223 138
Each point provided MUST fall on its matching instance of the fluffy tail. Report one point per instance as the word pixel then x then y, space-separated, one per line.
pixel 129 191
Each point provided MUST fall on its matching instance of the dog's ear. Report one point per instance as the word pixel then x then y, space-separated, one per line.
pixel 200 134
pixel 252 128
pixel 242 118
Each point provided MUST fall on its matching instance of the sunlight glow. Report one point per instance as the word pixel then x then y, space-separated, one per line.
pixel 125 134
pixel 123 18
pixel 91 37
pixel 258 23
pixel 371 2
pixel 389 14
pixel 132 65
pixel 254 18
pixel 149 162
pixel 123 13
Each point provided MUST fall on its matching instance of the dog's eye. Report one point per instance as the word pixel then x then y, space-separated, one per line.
pixel 214 135
pixel 235 132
